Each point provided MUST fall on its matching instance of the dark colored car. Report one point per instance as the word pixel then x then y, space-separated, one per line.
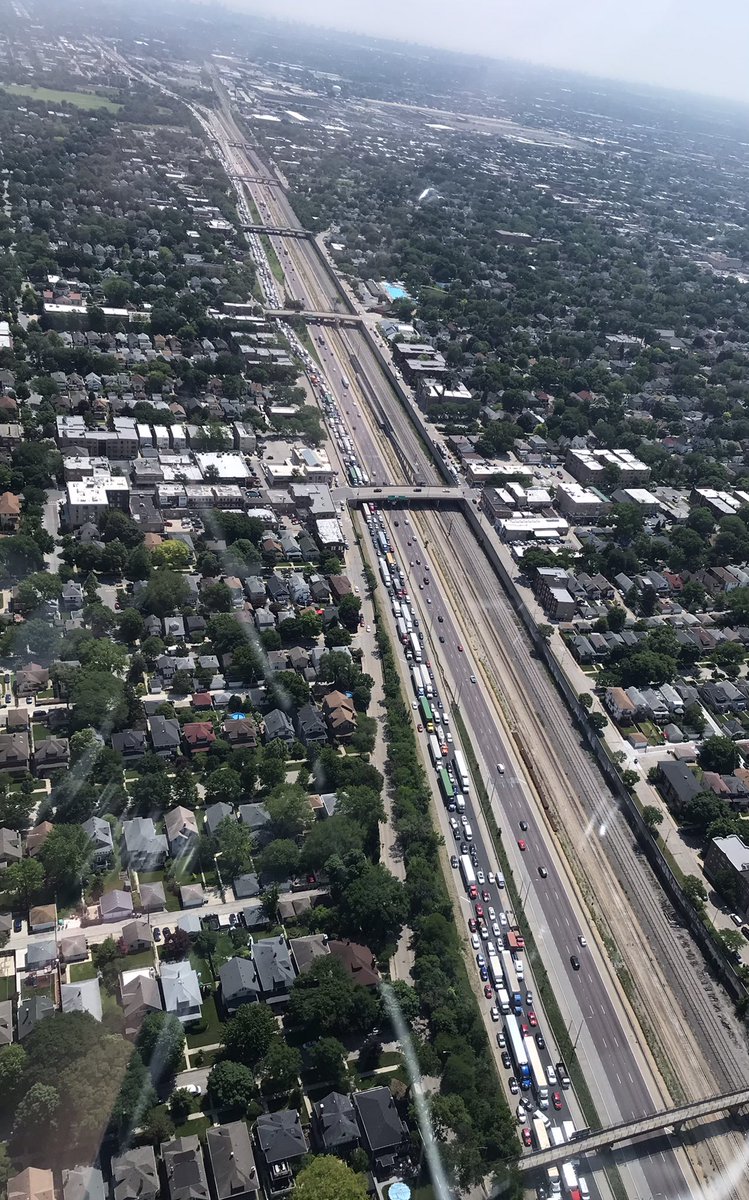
pixel 513 1085
pixel 575 962
pixel 540 1041
pixel 17 924
pixel 454 861
pixel 488 991
pixel 556 1100
pixel 506 1060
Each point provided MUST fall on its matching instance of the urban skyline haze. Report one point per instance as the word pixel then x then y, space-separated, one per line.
pixel 675 44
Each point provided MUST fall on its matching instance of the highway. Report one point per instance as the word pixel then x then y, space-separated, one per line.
pixel 612 1065
pixel 615 1071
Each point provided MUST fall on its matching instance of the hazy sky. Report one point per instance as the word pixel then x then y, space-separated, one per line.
pixel 691 45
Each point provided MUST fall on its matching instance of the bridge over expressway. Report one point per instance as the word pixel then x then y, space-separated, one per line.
pixel 400 496
pixel 317 318
pixel 606 1139
pixel 280 231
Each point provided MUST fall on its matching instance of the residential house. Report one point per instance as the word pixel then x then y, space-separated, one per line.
pixel 131 743
pixel 216 813
pixel 239 983
pixel 14 753
pixel 359 961
pixel 152 897
pixel 99 833
pixel 37 836
pixel 166 735
pixel 384 1134
pixel 254 917
pixel 274 968
pixel 31 679
pixel 42 917
pixel 677 783
pixel 7 1032
pixel 231 1162
pixel 33 1183
pixel 239 730
pixel 282 1144
pixel 334 1126
pixel 84 996
pixel 73 947
pixel 727 868
pixel 672 699
pixel 83 1183
pixel 340 714
pixel 10 512
pixel 305 950
pixel 257 818
pixel 278 726
pixel 311 727
pixel 246 886
pixel 51 755
pixel 143 848
pixel 11 849
pixel 181 830
pixel 192 895
pixel 184 1169
pixel 136 936
pixel 31 1012
pixel 619 705
pixel 181 988
pixel 199 736
pixel 134 1175
pixel 140 996
pixel 657 709
pixel 116 905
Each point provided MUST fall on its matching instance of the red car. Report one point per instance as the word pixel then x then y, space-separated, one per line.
pixel 532 1019
pixel 472 924
pixel 477 908
pixel 520 941
pixel 486 897
pixel 525 1031
pixel 526 1136
pixel 488 991
pixel 460 647
pixel 473 891
pixel 521 844
pixel 556 1100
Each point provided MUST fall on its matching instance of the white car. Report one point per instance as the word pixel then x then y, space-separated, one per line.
pixel 491 914
pixel 496 930
pixel 475 941
pixel 480 877
pixel 484 932
pixel 449 737
pixel 193 1088
pixel 503 919
pixel 491 948
pixel 501 768
pixel 582 940
pixel 491 877
pixel 414 704
pixel 494 1013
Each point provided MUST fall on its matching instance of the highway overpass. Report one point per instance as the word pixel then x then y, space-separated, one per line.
pixel 396 496
pixel 316 318
pixel 626 1131
pixel 279 231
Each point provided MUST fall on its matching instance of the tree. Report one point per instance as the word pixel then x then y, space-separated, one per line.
pixel 231 1086
pixel 131 626
pixel 234 842
pixel 172 554
pixel 327 1061
pixel 616 618
pixel 374 907
pixel 180 1105
pixel 248 1036
pixel 216 597
pixel 732 940
pixel 326 1001
pixel 327 1178
pixel 165 592
pixel 349 610
pixel 151 793
pixel 12 1064
pixel 37 1109
pixel 159 1127
pixel 281 1065
pixel 337 835
pixel 694 890
pixel 23 881
pixel 65 856
pixel 652 816
pixel 161 1044
pixel 719 754
pixel 585 700
pixel 98 700
pixel 599 721
pixel 182 683
pixel 701 810
pixel 280 860
pixel 289 811
pixel 224 785
pixel 15 810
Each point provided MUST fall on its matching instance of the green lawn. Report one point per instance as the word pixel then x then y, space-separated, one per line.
pixel 7 987
pixel 197 1126
pixel 80 971
pixel 131 962
pixel 52 96
pixel 202 966
pixel 41 733
pixel 273 260
pixel 214 1030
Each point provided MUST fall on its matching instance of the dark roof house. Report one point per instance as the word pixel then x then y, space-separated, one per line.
pixel 231 1161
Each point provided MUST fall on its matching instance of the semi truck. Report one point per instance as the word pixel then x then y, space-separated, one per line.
pixel 494 967
pixel 541 1134
pixel 516 1043
pixel 511 979
pixel 569 1178
pixel 415 647
pixel 538 1074
pixel 402 631
pixel 446 787
pixel 467 871
pixel 417 681
pixel 462 771
pixel 503 1000
pixel 434 749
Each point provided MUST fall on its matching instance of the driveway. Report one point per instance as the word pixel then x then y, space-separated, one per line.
pixel 199 1076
